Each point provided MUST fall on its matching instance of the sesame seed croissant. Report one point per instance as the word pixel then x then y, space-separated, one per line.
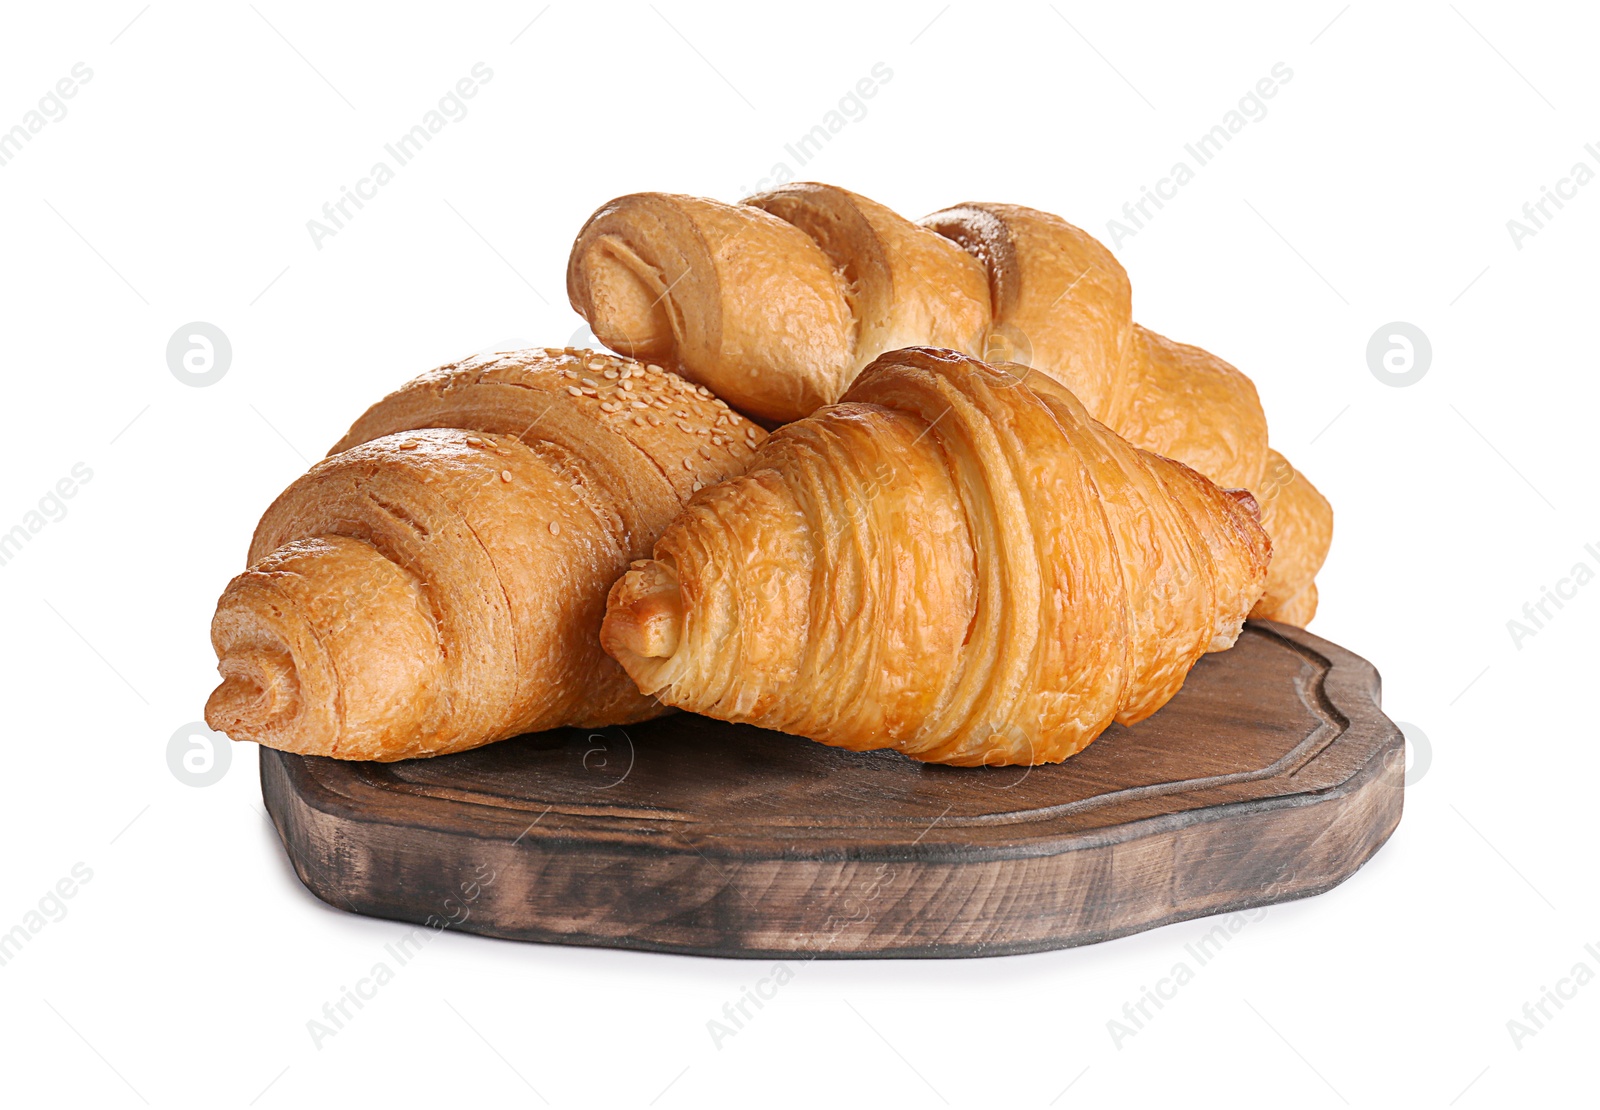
pixel 778 303
pixel 956 562
pixel 438 581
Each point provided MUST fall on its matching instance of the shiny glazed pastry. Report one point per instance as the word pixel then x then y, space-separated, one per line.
pixel 438 581
pixel 955 561
pixel 779 302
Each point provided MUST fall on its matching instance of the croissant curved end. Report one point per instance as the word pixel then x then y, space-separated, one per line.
pixel 261 693
pixel 1297 611
pixel 298 672
pixel 644 622
pixel 626 300
pixel 260 689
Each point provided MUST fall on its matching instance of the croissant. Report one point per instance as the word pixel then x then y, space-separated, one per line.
pixel 438 581
pixel 779 302
pixel 956 562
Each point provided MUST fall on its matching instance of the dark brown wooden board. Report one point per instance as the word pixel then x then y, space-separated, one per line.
pixel 1273 775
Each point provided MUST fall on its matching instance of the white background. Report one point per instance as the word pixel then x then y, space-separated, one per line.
pixel 1378 188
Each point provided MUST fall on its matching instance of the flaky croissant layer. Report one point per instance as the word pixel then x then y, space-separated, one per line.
pixel 778 302
pixel 438 581
pixel 956 561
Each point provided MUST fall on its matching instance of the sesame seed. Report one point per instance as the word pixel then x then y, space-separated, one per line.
pixel 639 404
pixel 575 391
pixel 474 441
pixel 612 375
pixel 705 452
pixel 555 528
pixel 655 421
pixel 588 392
pixel 609 406
pixel 698 485
pixel 590 382
pixel 505 475
pixel 639 421
pixel 688 462
pixel 409 445
pixel 653 368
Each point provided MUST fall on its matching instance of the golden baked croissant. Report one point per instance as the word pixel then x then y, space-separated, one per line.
pixel 779 302
pixel 951 562
pixel 438 581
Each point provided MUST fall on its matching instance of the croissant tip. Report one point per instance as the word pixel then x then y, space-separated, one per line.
pixel 643 625
pixel 1247 499
pixel 644 616
pixel 234 706
pixel 257 689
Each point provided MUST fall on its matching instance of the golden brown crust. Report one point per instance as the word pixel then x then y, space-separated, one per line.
pixel 1058 301
pixel 906 286
pixel 1189 405
pixel 438 581
pixel 1294 509
pixel 1061 301
pixel 1298 610
pixel 950 563
pixel 725 294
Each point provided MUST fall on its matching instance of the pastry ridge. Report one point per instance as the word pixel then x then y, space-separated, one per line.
pixel 851 280
pixel 955 561
pixel 437 582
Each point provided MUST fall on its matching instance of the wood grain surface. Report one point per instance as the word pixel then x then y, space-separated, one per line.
pixel 1273 775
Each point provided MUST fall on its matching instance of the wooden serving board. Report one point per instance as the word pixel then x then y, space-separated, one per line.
pixel 1272 775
